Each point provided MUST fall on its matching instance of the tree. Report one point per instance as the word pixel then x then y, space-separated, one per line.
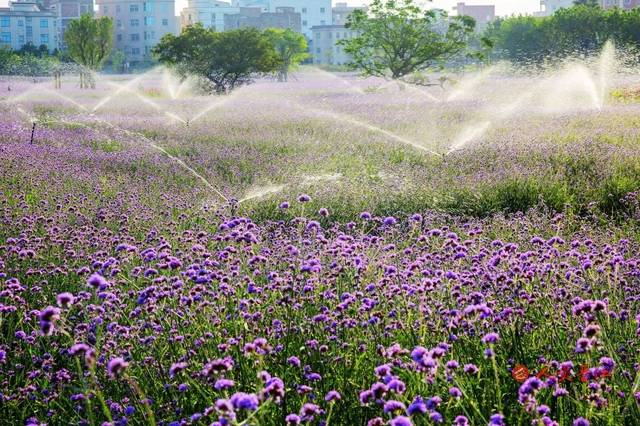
pixel 225 60
pixel 397 38
pixel 522 39
pixel 117 61
pixel 579 30
pixel 290 47
pixel 31 49
pixel 89 43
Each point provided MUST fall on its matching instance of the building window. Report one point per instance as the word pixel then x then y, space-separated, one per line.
pixel 133 8
pixel 5 21
pixel 337 35
pixel 135 37
pixel 304 23
pixel 165 22
pixel 304 10
pixel 117 8
pixel 147 7
pixel 213 17
pixel 318 36
pixel 322 10
pixel 5 37
pixel 105 8
pixel 29 31
pixel 322 22
pixel 135 22
pixel 318 50
pixel 20 23
pixel 119 37
pixel 135 50
pixel 44 38
pixel 149 21
pixel 118 24
pixel 44 23
pixel 21 39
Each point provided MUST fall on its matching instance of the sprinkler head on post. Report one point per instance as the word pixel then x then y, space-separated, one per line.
pixel 233 205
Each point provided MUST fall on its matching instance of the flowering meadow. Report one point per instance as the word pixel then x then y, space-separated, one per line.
pixel 291 257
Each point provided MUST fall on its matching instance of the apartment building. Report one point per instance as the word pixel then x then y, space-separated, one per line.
pixel 66 11
pixel 325 49
pixel 283 17
pixel 27 21
pixel 139 25
pixel 341 11
pixel 482 14
pixel 209 13
pixel 549 7
pixel 622 4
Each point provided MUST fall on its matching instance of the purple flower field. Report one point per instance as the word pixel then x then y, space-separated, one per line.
pixel 349 278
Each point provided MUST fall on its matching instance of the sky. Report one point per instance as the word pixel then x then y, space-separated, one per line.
pixel 503 7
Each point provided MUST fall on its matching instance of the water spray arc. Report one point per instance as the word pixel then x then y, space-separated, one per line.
pixel 130 134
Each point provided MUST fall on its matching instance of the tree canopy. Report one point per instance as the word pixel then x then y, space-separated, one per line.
pixel 578 30
pixel 290 47
pixel 89 42
pixel 225 60
pixel 396 38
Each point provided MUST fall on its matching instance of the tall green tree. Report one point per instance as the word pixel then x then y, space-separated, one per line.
pixel 89 42
pixel 575 31
pixel 225 60
pixel 397 38
pixel 290 47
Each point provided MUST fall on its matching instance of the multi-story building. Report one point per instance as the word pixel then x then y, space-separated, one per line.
pixel 284 17
pixel 622 4
pixel 66 11
pixel 483 14
pixel 312 13
pixel 139 25
pixel 326 50
pixel 341 11
pixel 549 7
pixel 26 21
pixel 324 46
pixel 264 5
pixel 209 13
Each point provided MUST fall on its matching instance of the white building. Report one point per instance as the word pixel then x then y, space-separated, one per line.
pixel 549 7
pixel 138 26
pixel 209 13
pixel 324 47
pixel 262 4
pixel 26 22
pixel 326 50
